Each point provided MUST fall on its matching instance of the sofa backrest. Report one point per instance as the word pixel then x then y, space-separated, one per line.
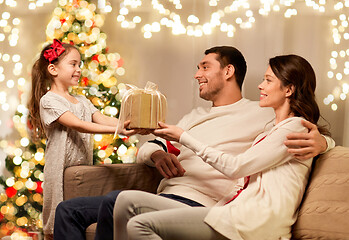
pixel 324 212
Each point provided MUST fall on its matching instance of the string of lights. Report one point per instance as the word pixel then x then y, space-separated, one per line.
pixel 339 60
pixel 227 18
pixel 239 12
pixel 242 15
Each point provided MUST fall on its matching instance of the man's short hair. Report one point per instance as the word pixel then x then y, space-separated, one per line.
pixel 230 55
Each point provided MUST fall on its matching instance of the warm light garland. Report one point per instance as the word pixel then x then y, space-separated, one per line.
pixel 10 62
pixel 38 3
pixel 339 60
pixel 239 13
pixel 32 4
pixel 241 16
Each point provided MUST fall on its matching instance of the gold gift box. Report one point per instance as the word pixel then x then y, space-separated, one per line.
pixel 143 107
pixel 145 110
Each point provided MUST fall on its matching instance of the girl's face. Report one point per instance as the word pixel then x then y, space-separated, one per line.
pixel 273 94
pixel 68 69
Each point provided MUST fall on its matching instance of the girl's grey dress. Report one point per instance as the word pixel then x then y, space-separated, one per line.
pixel 64 147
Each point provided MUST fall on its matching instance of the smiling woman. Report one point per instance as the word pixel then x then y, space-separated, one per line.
pixel 298 82
pixel 274 93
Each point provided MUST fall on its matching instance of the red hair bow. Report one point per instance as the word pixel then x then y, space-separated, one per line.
pixel 56 49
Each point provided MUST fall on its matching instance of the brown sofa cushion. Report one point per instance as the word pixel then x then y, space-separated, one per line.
pixel 324 213
pixel 80 181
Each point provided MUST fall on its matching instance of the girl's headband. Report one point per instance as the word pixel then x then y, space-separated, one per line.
pixel 55 50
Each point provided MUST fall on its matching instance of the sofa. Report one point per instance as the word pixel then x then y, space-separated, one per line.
pixel 323 214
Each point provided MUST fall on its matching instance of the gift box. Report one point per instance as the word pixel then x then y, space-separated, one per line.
pixel 143 107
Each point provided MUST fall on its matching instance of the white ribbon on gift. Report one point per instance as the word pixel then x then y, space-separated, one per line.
pixel 150 88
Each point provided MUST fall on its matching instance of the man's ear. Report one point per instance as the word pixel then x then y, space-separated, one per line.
pixel 230 70
pixel 289 90
pixel 52 69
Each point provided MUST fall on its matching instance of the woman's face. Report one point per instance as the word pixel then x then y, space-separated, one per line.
pixel 273 94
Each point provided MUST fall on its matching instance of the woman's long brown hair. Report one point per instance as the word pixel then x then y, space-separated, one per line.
pixel 295 70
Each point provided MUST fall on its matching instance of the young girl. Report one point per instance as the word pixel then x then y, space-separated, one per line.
pixel 66 120
pixel 275 180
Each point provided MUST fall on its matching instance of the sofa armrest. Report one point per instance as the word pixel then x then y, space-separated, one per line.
pixel 80 181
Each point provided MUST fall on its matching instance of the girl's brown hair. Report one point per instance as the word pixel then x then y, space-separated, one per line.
pixel 41 83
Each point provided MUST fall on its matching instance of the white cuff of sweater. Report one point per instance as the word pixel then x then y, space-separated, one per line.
pixel 330 143
pixel 145 153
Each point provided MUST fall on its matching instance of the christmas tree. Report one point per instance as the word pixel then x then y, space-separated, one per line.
pixel 75 22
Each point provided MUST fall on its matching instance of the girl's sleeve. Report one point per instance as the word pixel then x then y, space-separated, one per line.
pixel 268 153
pixel 91 106
pixel 88 103
pixel 51 109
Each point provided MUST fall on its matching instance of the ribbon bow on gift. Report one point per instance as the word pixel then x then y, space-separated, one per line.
pixel 56 49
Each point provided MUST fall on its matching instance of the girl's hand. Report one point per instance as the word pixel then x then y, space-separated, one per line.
pixel 125 131
pixel 168 132
pixel 129 132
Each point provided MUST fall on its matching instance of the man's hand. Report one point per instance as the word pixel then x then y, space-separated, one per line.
pixel 167 164
pixel 306 145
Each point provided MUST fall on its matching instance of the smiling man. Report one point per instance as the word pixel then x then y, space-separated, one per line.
pixel 230 125
pixel 210 72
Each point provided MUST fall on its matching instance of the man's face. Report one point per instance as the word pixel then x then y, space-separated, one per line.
pixel 210 77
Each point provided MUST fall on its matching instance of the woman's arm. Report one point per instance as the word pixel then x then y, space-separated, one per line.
pixel 268 153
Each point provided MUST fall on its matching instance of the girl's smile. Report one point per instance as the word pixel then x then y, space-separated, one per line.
pixel 68 70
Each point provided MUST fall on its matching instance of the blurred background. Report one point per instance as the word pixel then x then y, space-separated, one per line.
pixel 163 41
